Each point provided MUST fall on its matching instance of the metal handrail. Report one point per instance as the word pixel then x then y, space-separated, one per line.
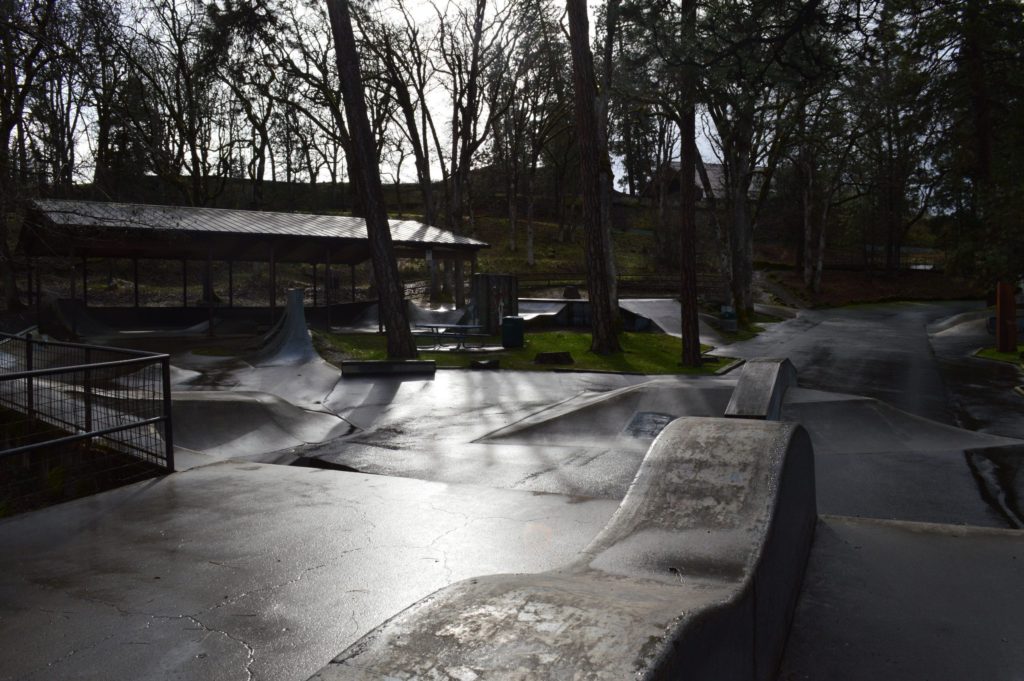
pixel 88 371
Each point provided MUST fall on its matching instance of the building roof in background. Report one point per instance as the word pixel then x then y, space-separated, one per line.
pixel 93 228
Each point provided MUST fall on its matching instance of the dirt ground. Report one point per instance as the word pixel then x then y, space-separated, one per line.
pixel 847 287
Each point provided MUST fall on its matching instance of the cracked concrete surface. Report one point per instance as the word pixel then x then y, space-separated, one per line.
pixel 248 571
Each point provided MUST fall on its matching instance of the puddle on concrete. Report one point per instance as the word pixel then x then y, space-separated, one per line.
pixel 645 425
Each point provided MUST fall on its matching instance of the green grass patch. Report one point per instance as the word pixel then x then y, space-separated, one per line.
pixel 992 353
pixel 646 353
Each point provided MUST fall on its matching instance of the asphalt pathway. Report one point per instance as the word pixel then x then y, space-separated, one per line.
pixel 880 351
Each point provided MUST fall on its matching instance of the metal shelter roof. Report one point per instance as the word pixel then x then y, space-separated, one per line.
pixel 96 229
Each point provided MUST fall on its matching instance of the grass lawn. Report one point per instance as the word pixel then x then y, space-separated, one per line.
pixel 647 353
pixel 1011 357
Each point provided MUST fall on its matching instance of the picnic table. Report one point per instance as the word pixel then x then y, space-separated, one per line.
pixel 457 332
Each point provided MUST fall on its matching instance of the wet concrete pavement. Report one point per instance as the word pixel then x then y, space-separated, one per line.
pixel 246 571
pixel 898 601
pixel 981 391
pixel 880 351
pixel 268 571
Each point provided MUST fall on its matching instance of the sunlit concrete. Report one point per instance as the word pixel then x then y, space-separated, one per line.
pixel 235 571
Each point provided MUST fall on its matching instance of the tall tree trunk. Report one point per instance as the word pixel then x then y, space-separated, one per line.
pixel 606 175
pixel 741 237
pixel 385 269
pixel 603 318
pixel 688 202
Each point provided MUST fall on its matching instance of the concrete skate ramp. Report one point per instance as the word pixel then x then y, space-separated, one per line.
pixel 72 317
pixel 696 576
pixel 666 315
pixel 627 418
pixel 761 389
pixel 880 462
pixel 289 342
pixel 541 310
pixel 235 424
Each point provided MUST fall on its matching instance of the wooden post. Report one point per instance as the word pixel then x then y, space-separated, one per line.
pixel 184 282
pixel 74 308
pixel 209 293
pixel 314 285
pixel 432 275
pixel 39 292
pixel 327 287
pixel 135 280
pixel 231 283
pixel 28 281
pixel 85 282
pixel 1006 318
pixel 460 284
pixel 352 278
pixel 273 281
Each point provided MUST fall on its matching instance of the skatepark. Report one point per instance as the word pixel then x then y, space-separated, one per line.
pixel 851 513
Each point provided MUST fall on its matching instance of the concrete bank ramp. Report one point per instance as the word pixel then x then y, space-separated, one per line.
pixel 246 424
pixel 695 576
pixel 629 417
pixel 878 461
pixel 549 310
pixel 289 342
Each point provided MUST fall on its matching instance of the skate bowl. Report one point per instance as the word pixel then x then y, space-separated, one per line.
pixel 695 576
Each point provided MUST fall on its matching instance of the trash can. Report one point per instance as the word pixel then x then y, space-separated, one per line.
pixel 512 332
pixel 727 318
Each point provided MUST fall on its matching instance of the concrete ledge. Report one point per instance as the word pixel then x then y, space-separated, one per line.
pixel 696 576
pixel 761 389
pixel 386 367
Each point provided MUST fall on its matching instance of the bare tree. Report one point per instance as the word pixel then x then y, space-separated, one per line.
pixel 26 41
pixel 602 306
pixel 400 342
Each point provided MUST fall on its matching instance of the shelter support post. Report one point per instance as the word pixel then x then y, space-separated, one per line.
pixel 327 287
pixel 273 281
pixel 432 274
pixel 460 284
pixel 184 283
pixel 74 308
pixel 135 281
pixel 39 292
pixel 28 280
pixel 314 285
pixel 209 293
pixel 231 283
pixel 352 279
pixel 85 282
pixel 1006 318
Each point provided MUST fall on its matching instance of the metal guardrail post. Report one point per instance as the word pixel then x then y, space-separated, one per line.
pixel 29 382
pixel 87 386
pixel 165 371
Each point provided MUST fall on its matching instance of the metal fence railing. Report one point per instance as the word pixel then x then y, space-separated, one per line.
pixel 55 394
